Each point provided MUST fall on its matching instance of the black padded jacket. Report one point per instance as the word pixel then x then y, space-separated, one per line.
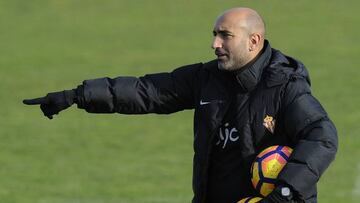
pixel 277 85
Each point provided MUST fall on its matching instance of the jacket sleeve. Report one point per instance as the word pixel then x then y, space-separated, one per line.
pixel 160 93
pixel 313 134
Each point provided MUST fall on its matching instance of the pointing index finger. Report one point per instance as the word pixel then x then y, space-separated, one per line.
pixel 35 101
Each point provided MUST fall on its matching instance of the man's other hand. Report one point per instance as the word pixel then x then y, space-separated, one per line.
pixel 281 194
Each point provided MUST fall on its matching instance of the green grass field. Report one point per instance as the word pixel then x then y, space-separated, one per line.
pixel 86 158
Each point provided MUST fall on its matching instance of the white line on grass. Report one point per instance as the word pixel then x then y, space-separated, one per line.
pixel 356 190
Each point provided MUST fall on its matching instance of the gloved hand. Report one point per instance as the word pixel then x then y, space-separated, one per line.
pixel 281 194
pixel 53 102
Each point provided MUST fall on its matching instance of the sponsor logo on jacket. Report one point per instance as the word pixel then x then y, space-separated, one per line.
pixel 227 135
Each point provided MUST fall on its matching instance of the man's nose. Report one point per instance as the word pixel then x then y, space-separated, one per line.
pixel 217 43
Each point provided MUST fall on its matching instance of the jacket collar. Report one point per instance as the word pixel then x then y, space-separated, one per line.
pixel 249 75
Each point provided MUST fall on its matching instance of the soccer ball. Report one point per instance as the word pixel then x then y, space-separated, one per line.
pixel 250 200
pixel 267 166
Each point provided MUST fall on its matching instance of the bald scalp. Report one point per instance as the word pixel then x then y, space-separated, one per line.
pixel 246 18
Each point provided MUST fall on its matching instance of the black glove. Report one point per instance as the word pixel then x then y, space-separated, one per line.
pixel 53 102
pixel 281 194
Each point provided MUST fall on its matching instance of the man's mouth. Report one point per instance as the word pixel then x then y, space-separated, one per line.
pixel 221 55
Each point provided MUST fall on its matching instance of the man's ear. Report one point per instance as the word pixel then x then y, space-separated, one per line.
pixel 254 41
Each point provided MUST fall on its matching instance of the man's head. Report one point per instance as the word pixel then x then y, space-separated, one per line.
pixel 238 37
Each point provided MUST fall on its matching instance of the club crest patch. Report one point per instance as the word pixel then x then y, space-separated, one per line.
pixel 269 123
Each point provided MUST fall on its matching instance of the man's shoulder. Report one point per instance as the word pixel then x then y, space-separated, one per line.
pixel 208 66
pixel 211 64
pixel 197 71
pixel 201 69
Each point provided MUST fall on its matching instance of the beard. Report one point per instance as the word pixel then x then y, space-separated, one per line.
pixel 232 63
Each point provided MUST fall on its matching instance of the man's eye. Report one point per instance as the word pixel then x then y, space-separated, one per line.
pixel 222 34
pixel 226 35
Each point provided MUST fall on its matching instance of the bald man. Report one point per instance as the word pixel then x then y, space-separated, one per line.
pixel 238 38
pixel 249 98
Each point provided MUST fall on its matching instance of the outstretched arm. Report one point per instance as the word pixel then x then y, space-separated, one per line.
pixel 161 93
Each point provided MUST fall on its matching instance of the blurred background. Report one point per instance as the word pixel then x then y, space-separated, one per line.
pixel 51 45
